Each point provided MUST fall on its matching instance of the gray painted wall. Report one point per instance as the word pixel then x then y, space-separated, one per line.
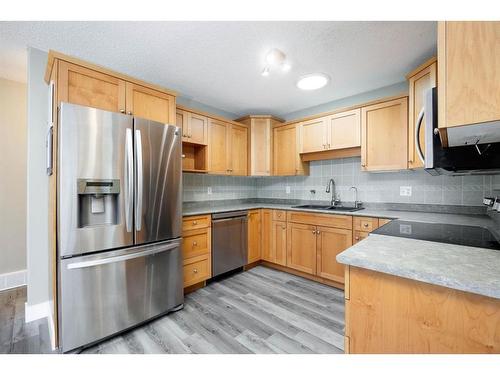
pixel 396 89
pixel 13 180
pixel 205 108
pixel 39 270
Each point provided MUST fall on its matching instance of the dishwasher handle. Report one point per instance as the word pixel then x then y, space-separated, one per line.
pixel 243 218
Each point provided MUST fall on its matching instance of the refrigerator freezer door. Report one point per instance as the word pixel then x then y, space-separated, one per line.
pixel 158 182
pixel 103 294
pixel 95 195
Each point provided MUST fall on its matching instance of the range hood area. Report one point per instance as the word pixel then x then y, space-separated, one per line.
pixel 474 134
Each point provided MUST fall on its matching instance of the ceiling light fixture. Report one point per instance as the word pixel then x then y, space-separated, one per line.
pixel 313 81
pixel 285 67
pixel 265 71
pixel 275 57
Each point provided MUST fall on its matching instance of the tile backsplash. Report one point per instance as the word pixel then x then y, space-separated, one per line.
pixel 372 187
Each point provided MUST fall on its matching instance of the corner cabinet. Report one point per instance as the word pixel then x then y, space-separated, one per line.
pixel 260 147
pixel 286 157
pixel 384 135
pixel 420 81
pixel 468 73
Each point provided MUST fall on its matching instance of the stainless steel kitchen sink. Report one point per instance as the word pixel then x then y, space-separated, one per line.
pixel 328 207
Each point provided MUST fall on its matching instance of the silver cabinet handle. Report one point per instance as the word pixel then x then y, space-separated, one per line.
pixel 140 182
pixel 129 179
pixel 121 258
pixel 48 146
pixel 417 135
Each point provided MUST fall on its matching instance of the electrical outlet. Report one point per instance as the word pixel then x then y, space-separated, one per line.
pixel 288 190
pixel 209 190
pixel 405 191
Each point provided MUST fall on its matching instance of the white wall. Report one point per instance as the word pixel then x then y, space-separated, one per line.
pixel 13 183
pixel 37 211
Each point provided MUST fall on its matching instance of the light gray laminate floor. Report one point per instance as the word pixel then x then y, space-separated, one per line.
pixel 258 311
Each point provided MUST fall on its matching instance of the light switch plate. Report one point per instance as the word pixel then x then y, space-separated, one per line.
pixel 405 191
pixel 288 190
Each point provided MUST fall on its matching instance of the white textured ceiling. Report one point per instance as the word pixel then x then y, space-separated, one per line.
pixel 219 63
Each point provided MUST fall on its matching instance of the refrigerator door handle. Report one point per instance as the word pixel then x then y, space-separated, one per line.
pixel 121 258
pixel 129 180
pixel 140 178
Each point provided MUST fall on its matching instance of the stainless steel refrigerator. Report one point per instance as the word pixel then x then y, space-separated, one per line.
pixel 119 223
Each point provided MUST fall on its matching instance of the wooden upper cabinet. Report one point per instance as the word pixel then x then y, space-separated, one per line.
pixel 181 120
pixel 150 104
pixel 468 73
pixel 286 158
pixel 260 147
pixel 331 242
pixel 384 135
pixel 313 135
pixel 218 148
pixel 344 130
pixel 197 128
pixel 79 85
pixel 301 247
pixel 238 155
pixel 254 236
pixel 420 81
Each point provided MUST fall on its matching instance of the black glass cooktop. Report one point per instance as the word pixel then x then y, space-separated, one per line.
pixel 447 233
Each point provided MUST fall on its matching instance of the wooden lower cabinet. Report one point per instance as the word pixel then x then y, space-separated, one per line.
pixel 301 247
pixel 330 243
pixel 196 249
pixel 358 235
pixel 390 314
pixel 254 236
pixel 278 242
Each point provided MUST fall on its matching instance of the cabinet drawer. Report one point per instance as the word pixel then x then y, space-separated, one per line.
pixel 326 220
pixel 195 242
pixel 195 222
pixel 358 235
pixel 196 270
pixel 365 224
pixel 279 215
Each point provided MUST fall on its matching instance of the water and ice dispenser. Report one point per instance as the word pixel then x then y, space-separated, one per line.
pixel 98 202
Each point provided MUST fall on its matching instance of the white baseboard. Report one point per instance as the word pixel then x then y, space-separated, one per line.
pixel 40 311
pixel 12 279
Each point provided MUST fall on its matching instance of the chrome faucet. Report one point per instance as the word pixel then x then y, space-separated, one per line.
pixel 331 187
pixel 357 203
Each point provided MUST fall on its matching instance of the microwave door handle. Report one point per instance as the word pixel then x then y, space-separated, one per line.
pixel 129 179
pixel 420 118
pixel 140 182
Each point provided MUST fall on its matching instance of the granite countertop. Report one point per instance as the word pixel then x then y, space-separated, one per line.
pixel 469 269
pixel 426 217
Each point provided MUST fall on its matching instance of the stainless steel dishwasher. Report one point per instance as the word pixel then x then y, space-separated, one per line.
pixel 229 241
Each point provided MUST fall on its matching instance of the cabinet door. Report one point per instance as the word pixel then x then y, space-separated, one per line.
pixel 197 129
pixel 285 151
pixel 267 249
pixel 469 78
pixel 301 248
pixel 331 242
pixel 260 147
pixel 254 236
pixel 419 84
pixel 344 130
pixel 218 146
pixel 358 235
pixel 181 120
pixel 313 135
pixel 150 104
pixel 79 85
pixel 238 162
pixel 384 136
pixel 278 242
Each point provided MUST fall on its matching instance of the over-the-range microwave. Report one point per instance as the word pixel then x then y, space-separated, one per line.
pixel 471 149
